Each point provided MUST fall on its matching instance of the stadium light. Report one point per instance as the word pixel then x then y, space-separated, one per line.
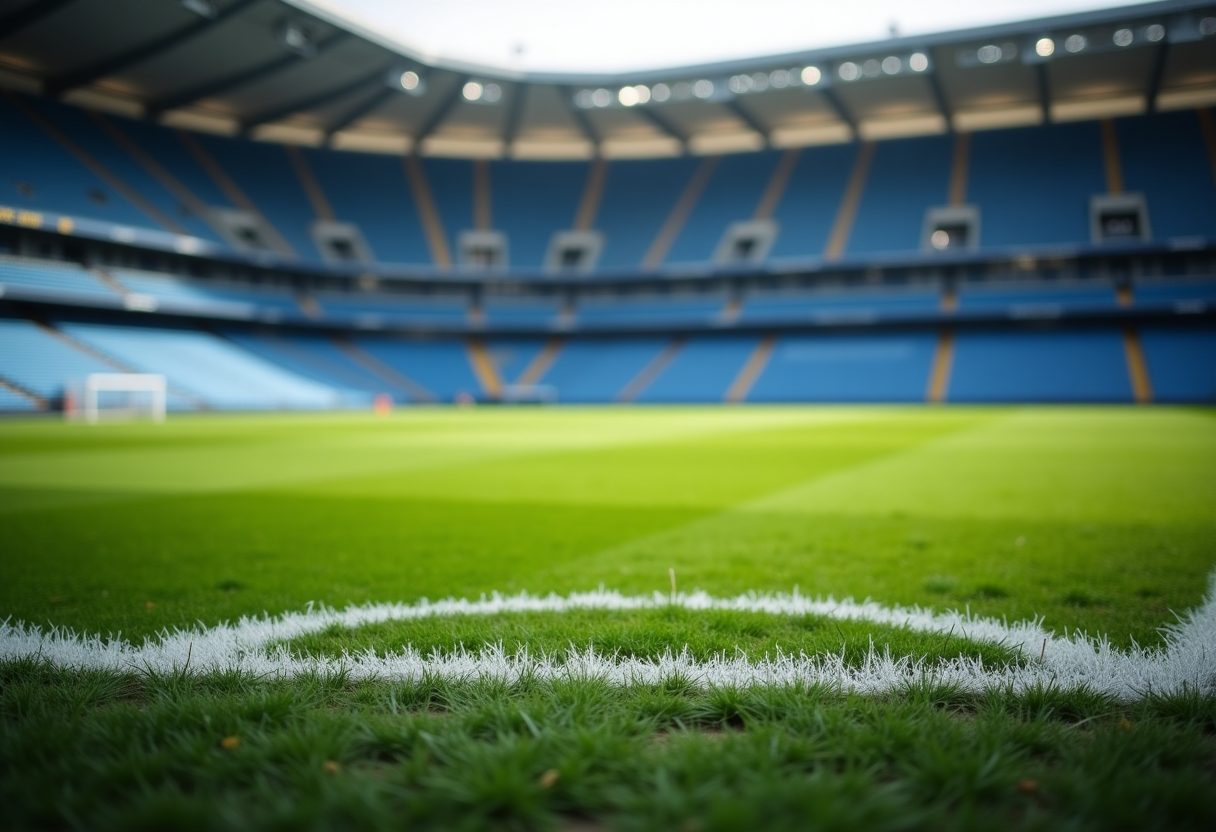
pixel 472 91
pixel 810 75
pixel 660 92
pixel 703 88
pixel 891 65
pixel 1075 43
pixel 297 36
pixel 1045 47
pixel 848 71
pixel 406 80
pixel 1207 26
pixel 918 62
pixel 202 8
pixel 1155 32
pixel 1123 37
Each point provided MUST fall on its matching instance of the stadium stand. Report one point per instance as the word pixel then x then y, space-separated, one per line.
pixel 212 258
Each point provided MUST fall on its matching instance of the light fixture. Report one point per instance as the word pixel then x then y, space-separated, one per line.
pixel 628 96
pixel 202 8
pixel 891 65
pixel 1075 43
pixel 1207 26
pixel 848 71
pixel 870 68
pixel 760 81
pixel 584 99
pixel 810 75
pixel 601 97
pixel 1044 47
pixel 703 88
pixel 472 91
pixel 1123 37
pixel 989 54
pixel 297 36
pixel 491 93
pixel 660 92
pixel 1155 32
pixel 406 80
pixel 779 79
pixel 918 62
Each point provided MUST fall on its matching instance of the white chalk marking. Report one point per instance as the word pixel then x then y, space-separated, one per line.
pixel 254 645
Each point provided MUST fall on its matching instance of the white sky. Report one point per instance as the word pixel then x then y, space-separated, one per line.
pixel 623 35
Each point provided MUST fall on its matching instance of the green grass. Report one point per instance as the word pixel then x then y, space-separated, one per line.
pixel 1099 519
pixel 649 634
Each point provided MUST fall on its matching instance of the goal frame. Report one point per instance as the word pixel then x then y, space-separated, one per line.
pixel 96 383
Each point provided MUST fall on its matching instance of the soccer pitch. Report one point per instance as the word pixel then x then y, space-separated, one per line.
pixel 753 692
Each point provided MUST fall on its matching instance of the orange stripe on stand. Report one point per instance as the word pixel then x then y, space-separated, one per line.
pixel 679 213
pixel 593 192
pixel 432 225
pixel 1137 366
pixel 541 362
pixel 482 206
pixel 483 368
pixel 638 384
pixel 847 213
pixel 1110 157
pixel 751 370
pixel 776 184
pixel 949 299
pixel 943 362
pixel 316 196
pixel 959 169
pixel 1124 295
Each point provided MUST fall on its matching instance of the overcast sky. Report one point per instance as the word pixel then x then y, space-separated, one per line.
pixel 622 35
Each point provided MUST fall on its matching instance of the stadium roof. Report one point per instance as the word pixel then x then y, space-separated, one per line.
pixel 297 72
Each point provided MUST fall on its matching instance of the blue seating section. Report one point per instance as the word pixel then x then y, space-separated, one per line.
pixel 440 365
pixel 60 182
pixel 1183 295
pixel 85 132
pixel 732 194
pixel 1040 366
pixel 374 310
pixel 1036 299
pixel 906 177
pixel 1181 363
pixel 58 278
pixel 372 192
pixel 1033 184
pixel 1165 159
pixel 529 311
pixel 511 356
pixel 220 298
pixel 264 172
pixel 651 310
pixel 638 196
pixel 702 371
pixel 316 357
pixel 222 374
pixel 40 362
pixel 451 184
pixel 838 305
pixel 596 370
pixel 811 200
pixel 531 201
pixel 890 367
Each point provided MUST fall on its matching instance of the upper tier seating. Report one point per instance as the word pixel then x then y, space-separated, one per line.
pixel 839 304
pixel 887 367
pixel 1040 366
pixel 1037 298
pixel 1032 186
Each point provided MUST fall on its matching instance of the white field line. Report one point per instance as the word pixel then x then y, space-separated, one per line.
pixel 1186 662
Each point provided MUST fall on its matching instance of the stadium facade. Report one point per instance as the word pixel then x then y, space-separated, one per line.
pixel 275 209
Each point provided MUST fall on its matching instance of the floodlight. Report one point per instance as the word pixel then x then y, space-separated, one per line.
pixel 297 36
pixel 848 71
pixel 810 75
pixel 472 91
pixel 1207 26
pixel 989 54
pixel 703 88
pixel 891 65
pixel 1155 32
pixel 660 92
pixel 202 8
pixel 491 93
pixel 601 97
pixel 760 81
pixel 1123 37
pixel 628 96
pixel 406 80
pixel 1075 43
pixel 779 79
pixel 584 99
pixel 870 68
pixel 1045 47
pixel 918 62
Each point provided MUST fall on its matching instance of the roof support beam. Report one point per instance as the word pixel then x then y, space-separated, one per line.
pixel 1044 84
pixel 581 117
pixel 837 107
pixel 20 20
pixel 440 112
pixel 664 125
pixel 131 57
pixel 939 96
pixel 1154 82
pixel 240 79
pixel 514 115
pixel 359 112
pixel 750 120
pixel 303 104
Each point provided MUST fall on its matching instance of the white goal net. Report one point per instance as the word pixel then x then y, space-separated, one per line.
pixel 111 396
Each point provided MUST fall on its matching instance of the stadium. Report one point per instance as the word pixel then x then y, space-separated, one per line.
pixel 813 440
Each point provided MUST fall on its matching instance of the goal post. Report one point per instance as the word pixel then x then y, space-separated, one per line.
pixel 117 396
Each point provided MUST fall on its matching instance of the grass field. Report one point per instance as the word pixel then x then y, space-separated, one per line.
pixel 1101 520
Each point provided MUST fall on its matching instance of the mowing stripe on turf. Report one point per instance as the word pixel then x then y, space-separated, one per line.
pixel 255 645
